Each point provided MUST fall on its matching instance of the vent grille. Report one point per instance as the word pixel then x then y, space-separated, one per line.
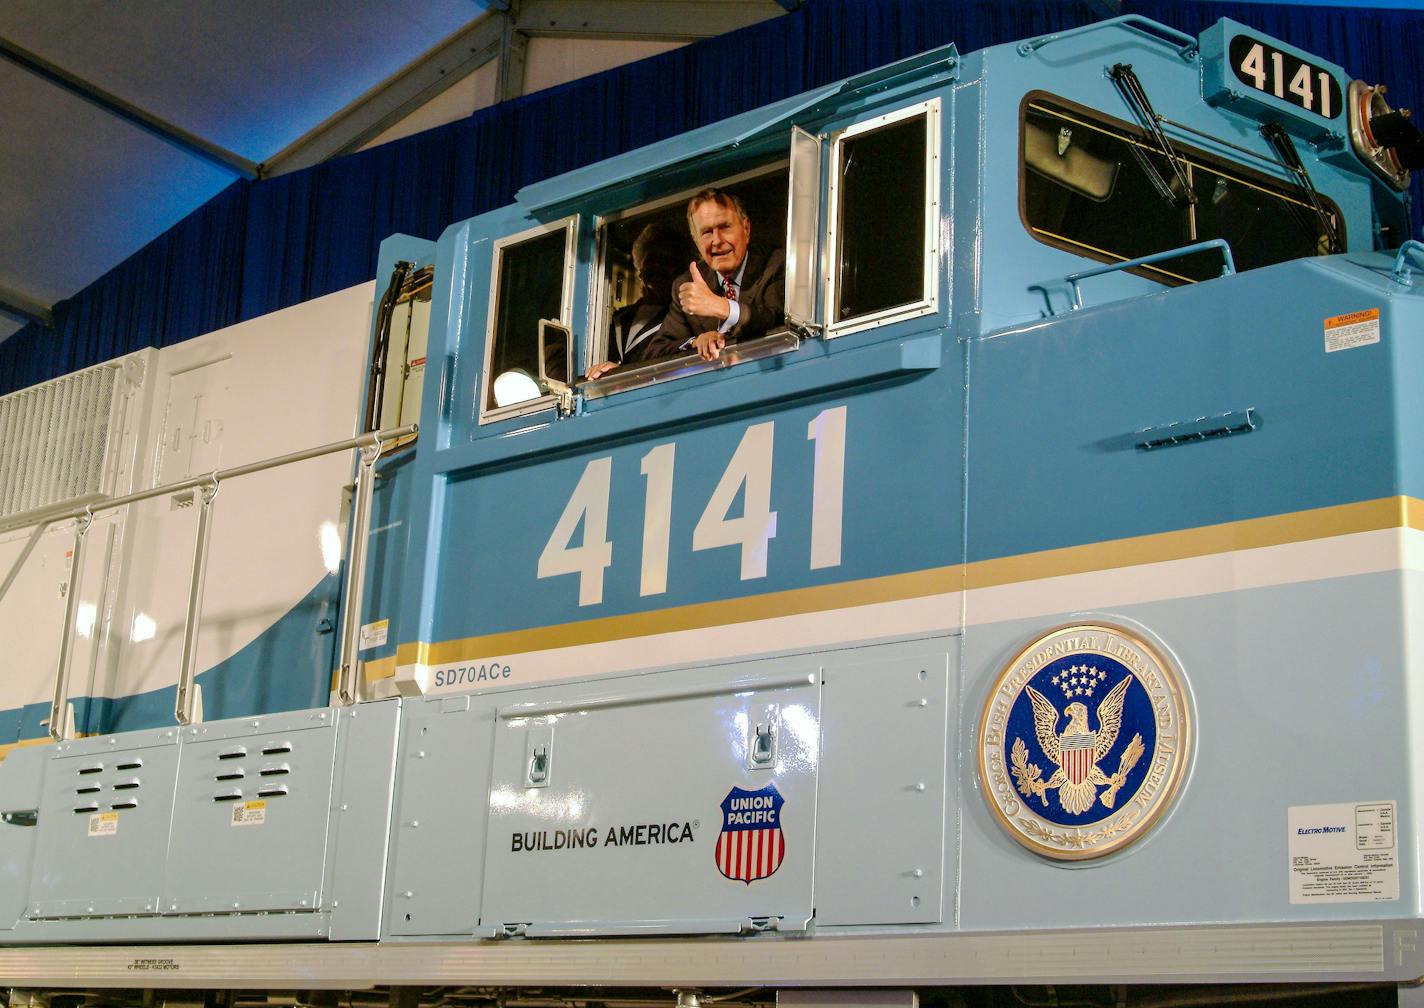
pixel 54 440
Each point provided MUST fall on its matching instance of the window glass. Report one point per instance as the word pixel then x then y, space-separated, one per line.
pixel 531 287
pixel 1261 227
pixel 1085 187
pixel 881 224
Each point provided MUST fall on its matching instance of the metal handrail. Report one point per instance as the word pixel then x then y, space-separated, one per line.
pixel 1143 24
pixel 1228 264
pixel 1403 272
pixel 369 444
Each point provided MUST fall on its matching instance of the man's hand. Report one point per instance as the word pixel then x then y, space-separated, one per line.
pixel 601 369
pixel 709 345
pixel 697 298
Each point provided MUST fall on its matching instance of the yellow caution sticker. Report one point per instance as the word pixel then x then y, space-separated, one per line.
pixel 103 824
pixel 253 813
pixel 375 634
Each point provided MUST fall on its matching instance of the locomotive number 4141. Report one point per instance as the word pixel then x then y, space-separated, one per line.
pixel 1285 76
pixel 748 472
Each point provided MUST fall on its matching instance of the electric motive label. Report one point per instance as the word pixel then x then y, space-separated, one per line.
pixel 1343 853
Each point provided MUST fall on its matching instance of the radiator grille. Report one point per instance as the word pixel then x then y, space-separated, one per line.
pixel 54 441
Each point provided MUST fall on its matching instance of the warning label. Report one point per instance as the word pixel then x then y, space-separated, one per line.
pixel 1343 853
pixel 103 824
pixel 1357 329
pixel 374 634
pixel 253 813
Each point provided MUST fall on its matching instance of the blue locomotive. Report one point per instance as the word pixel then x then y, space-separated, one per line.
pixel 1033 602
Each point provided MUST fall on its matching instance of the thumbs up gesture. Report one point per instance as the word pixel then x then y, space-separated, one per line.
pixel 697 298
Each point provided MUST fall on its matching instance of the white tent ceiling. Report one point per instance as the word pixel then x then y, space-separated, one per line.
pixel 119 119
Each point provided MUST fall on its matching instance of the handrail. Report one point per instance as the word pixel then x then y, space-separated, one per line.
pixel 1402 270
pixel 370 443
pixel 1144 24
pixel 1228 264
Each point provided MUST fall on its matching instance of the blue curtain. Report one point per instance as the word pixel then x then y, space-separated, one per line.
pixel 260 246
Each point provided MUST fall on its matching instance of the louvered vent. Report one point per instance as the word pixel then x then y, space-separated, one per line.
pixel 54 441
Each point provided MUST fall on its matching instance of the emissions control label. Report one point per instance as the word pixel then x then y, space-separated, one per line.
pixel 252 813
pixel 374 634
pixel 1343 853
pixel 1357 329
pixel 103 824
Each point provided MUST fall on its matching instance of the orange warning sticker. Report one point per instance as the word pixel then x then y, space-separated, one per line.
pixel 1356 329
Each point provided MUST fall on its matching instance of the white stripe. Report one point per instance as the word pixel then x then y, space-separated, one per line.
pixel 1270 566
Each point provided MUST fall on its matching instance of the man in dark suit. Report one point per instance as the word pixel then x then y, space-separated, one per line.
pixel 735 292
pixel 657 256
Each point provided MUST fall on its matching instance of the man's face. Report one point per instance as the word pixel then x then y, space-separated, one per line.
pixel 721 236
pixel 657 269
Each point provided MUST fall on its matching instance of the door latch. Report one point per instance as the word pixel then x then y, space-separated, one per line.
pixel 761 740
pixel 538 751
pixel 539 766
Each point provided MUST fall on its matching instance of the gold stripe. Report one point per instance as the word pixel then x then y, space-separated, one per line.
pixel 1254 533
pixel 5 750
pixel 381 668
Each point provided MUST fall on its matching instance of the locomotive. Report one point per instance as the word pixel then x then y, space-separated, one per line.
pixel 1033 605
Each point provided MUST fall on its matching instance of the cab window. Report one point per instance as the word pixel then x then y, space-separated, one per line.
pixel 884 197
pixel 533 272
pixel 656 236
pixel 1086 187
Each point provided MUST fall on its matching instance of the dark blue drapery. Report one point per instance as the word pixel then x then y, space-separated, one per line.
pixel 261 246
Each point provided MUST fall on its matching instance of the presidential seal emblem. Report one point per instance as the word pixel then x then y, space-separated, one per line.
pixel 1083 741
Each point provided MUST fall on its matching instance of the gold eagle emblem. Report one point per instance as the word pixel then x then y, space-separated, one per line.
pixel 1076 751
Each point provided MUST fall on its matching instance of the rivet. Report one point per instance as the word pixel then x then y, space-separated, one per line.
pixel 918 873
pixel 408 894
pixel 922 702
pixel 343 806
pixel 235 906
pixel 919 785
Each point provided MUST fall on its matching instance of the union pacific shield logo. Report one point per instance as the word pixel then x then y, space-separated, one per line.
pixel 751 845
pixel 1083 741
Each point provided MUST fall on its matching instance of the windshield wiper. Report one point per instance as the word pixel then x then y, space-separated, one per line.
pixel 1289 158
pixel 1136 97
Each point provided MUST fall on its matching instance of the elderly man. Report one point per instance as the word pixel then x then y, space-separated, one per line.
pixel 735 293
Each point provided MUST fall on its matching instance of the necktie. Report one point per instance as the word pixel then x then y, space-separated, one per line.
pixel 729 290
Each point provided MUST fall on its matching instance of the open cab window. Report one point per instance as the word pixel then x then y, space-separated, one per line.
pixel 1087 186
pixel 641 253
pixel 884 212
pixel 533 282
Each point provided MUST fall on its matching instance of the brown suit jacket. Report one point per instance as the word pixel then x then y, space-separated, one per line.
pixel 761 301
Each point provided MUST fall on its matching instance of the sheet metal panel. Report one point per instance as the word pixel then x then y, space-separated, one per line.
pixel 106 810
pixel 254 802
pixel 625 834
